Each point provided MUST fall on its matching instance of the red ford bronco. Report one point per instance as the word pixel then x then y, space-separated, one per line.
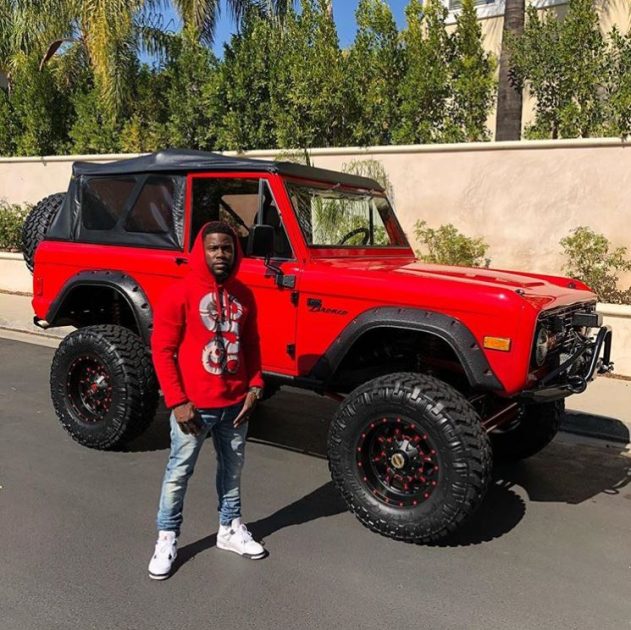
pixel 438 370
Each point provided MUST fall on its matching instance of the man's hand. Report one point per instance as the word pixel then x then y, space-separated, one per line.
pixel 248 406
pixel 186 419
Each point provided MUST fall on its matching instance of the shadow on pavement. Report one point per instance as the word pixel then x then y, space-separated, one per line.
pixel 155 438
pixel 592 425
pixel 322 502
pixel 291 419
pixel 501 511
pixel 570 472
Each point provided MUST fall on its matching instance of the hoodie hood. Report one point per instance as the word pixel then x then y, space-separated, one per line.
pixel 199 268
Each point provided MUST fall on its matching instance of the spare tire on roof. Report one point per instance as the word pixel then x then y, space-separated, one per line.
pixel 37 223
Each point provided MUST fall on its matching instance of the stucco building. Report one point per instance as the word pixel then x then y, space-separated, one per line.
pixel 491 14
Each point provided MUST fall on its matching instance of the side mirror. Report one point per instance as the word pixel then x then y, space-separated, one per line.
pixel 261 241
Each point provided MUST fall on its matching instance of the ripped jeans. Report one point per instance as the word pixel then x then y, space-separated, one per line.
pixel 229 447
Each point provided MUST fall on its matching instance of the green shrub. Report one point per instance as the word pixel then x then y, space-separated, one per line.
pixel 447 246
pixel 11 220
pixel 589 258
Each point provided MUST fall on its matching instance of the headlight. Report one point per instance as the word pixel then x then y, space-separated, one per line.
pixel 542 343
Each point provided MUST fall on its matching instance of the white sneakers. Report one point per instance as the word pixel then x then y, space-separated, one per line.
pixel 163 556
pixel 236 537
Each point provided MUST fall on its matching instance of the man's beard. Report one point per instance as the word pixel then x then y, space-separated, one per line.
pixel 222 276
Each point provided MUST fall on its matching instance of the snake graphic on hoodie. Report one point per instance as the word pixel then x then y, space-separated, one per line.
pixel 205 342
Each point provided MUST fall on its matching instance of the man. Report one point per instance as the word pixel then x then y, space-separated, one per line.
pixel 206 353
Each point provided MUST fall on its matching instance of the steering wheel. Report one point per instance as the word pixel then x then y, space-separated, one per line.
pixel 355 232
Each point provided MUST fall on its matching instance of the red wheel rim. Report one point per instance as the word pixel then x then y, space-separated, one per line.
pixel 89 389
pixel 397 462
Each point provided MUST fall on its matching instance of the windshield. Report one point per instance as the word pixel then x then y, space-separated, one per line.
pixel 330 217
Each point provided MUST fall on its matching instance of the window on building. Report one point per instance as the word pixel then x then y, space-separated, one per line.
pixel 153 211
pixel 103 201
pixel 454 5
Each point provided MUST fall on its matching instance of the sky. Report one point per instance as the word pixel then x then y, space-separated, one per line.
pixel 343 12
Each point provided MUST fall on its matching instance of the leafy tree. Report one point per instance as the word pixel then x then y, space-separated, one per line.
pixel 245 77
pixel 425 90
pixel 150 112
pixel 473 72
pixel 309 90
pixel 94 130
pixel 8 131
pixel 618 84
pixel 375 68
pixel 40 110
pixel 192 79
pixel 563 64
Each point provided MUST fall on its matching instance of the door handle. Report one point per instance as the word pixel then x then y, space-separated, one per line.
pixel 180 260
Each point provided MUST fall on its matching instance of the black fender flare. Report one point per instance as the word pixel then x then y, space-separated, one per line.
pixel 449 329
pixel 122 283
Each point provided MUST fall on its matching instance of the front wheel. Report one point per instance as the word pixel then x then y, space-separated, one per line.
pixel 409 456
pixel 103 386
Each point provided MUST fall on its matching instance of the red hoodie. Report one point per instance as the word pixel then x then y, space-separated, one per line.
pixel 205 354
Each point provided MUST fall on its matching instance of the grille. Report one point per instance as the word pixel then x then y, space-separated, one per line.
pixel 564 337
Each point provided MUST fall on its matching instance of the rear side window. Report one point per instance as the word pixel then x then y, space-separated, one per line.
pixel 153 211
pixel 103 201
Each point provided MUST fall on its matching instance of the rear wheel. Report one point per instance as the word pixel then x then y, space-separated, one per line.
pixel 103 386
pixel 532 430
pixel 36 225
pixel 409 456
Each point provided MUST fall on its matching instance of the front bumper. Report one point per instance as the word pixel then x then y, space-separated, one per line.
pixel 574 373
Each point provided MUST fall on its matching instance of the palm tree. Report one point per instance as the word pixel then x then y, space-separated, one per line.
pixel 113 31
pixel 110 33
pixel 509 96
pixel 199 17
pixel 26 28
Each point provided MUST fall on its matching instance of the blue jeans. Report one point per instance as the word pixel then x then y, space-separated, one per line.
pixel 229 447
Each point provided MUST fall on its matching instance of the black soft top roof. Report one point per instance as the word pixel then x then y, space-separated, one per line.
pixel 186 160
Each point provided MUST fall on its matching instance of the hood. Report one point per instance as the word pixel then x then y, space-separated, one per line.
pixel 198 267
pixel 410 282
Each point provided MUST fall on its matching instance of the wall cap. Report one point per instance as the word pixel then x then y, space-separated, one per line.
pixel 518 145
pixel 615 310
pixel 4 255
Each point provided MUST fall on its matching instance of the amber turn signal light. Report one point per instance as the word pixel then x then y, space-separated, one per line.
pixel 497 343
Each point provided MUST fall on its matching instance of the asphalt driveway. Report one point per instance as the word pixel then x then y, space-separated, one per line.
pixel 550 547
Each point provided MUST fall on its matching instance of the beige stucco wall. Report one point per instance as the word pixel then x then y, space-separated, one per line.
pixel 521 197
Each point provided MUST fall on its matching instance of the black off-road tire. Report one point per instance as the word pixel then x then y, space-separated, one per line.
pixel 115 363
pixel 36 225
pixel 533 430
pixel 429 408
